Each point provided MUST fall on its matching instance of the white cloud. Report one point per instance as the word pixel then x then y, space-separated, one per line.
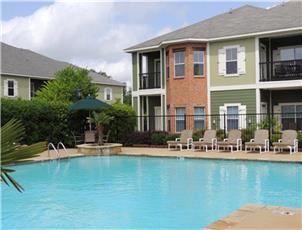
pixel 88 34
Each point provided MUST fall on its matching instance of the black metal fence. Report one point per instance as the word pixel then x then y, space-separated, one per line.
pixel 247 123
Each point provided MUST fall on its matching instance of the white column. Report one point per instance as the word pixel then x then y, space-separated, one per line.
pixel 138 113
pixel 258 105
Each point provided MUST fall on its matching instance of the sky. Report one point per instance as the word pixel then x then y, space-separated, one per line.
pixel 94 34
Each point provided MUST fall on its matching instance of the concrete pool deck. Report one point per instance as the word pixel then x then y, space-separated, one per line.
pixel 253 216
pixel 241 155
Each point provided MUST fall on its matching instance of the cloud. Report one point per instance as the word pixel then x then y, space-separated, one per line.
pixel 90 34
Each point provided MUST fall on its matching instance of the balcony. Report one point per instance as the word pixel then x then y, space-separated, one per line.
pixel 281 70
pixel 149 80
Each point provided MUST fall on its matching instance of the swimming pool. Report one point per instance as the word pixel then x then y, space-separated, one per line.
pixel 142 192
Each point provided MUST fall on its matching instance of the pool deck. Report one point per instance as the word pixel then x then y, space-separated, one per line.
pixel 255 156
pixel 253 216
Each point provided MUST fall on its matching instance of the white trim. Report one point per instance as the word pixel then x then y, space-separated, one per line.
pixel 280 84
pixel 147 112
pixel 138 113
pixel 161 112
pixel 208 85
pixel 146 92
pixel 232 87
pixel 258 105
pixel 257 59
pixel 298 29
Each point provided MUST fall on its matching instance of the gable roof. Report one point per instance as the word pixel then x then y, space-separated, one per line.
pixel 243 20
pixel 24 62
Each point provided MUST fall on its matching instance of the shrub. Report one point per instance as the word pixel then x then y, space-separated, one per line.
pixel 42 121
pixel 159 138
pixel 124 121
pixel 198 133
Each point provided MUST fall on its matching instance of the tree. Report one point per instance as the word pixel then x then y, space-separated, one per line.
pixel 70 84
pixel 11 134
pixel 127 96
pixel 100 119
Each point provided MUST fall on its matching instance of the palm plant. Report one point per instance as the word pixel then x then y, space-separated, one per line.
pixel 100 119
pixel 11 135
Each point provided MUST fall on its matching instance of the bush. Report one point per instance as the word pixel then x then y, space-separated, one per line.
pixel 198 133
pixel 123 123
pixel 42 121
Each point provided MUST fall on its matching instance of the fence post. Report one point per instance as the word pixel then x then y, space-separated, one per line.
pixel 224 125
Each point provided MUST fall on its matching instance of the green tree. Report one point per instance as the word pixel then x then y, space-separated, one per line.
pixel 70 85
pixel 100 119
pixel 127 96
pixel 11 152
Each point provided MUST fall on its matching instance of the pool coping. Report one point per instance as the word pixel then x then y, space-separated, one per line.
pixel 258 216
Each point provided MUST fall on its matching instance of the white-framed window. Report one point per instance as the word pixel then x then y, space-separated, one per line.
pixel 291 116
pixel 180 119
pixel 10 88
pixel 108 94
pixel 232 116
pixel 179 63
pixel 231 60
pixel 198 62
pixel 199 118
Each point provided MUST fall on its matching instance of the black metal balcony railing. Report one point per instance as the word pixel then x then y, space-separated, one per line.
pixel 281 70
pixel 149 80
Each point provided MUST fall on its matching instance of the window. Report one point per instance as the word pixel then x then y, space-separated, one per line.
pixel 199 118
pixel 179 63
pixel 232 117
pixel 287 54
pixel 231 61
pixel 180 119
pixel 198 62
pixel 291 117
pixel 108 94
pixel 11 88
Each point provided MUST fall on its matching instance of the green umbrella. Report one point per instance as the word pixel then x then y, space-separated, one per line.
pixel 89 103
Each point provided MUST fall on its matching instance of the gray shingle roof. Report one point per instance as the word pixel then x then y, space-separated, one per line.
pixel 244 20
pixel 23 62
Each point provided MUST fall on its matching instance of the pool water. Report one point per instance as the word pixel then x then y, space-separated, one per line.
pixel 141 192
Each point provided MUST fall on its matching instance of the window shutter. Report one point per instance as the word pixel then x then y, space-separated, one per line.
pixel 242 116
pixel 222 111
pixel 241 60
pixel 5 92
pixel 221 62
pixel 16 89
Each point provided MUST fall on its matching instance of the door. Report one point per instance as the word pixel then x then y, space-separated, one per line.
pixel 158 118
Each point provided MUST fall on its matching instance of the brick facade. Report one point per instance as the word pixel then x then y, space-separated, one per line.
pixel 189 91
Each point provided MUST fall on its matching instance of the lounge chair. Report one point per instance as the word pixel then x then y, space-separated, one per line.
pixel 209 139
pixel 260 141
pixel 184 140
pixel 90 136
pixel 288 140
pixel 233 140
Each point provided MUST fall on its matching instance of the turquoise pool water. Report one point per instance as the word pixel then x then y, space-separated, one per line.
pixel 141 192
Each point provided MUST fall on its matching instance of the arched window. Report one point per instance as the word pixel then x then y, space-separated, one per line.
pixel 108 94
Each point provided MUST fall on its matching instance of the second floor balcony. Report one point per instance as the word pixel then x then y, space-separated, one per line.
pixel 150 80
pixel 281 70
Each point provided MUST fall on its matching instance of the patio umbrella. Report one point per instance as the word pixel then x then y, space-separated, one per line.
pixel 89 103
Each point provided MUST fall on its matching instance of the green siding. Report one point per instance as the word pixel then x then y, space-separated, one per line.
pixel 245 97
pixel 134 71
pixel 135 105
pixel 117 92
pixel 23 86
pixel 248 78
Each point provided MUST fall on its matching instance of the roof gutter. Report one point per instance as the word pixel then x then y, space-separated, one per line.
pixel 211 39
